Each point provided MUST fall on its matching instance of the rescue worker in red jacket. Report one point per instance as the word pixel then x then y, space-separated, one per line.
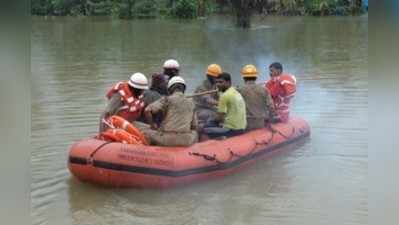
pixel 126 99
pixel 282 87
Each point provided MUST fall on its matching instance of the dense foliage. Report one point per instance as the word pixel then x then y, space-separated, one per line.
pixel 186 9
pixel 190 8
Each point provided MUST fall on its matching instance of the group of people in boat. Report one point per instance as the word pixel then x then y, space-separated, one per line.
pixel 217 109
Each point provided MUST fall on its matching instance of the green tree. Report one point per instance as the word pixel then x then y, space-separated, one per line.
pixel 146 9
pixel 201 7
pixel 185 9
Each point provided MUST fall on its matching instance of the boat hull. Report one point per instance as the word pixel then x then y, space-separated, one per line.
pixel 123 165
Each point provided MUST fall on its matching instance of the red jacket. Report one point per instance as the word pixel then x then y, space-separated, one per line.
pixel 282 89
pixel 132 107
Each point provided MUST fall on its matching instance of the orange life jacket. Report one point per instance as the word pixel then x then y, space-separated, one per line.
pixel 282 89
pixel 119 122
pixel 119 135
pixel 132 107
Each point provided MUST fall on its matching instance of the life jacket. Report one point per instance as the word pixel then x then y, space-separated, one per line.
pixel 119 135
pixel 132 107
pixel 119 122
pixel 282 89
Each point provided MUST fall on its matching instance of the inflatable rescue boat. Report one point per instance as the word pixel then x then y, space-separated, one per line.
pixel 132 165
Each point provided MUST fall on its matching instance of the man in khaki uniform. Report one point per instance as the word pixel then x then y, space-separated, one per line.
pixel 259 104
pixel 178 127
pixel 206 105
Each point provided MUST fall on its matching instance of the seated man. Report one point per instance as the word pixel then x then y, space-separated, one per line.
pixel 158 88
pixel 205 105
pixel 260 108
pixel 171 68
pixel 282 88
pixel 231 112
pixel 178 127
pixel 125 99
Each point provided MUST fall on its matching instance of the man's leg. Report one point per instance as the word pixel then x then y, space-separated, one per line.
pixel 216 132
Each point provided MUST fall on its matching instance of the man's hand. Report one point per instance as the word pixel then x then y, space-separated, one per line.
pixel 154 126
pixel 212 102
pixel 275 119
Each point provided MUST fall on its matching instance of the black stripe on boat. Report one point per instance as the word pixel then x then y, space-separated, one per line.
pixel 77 160
pixel 171 173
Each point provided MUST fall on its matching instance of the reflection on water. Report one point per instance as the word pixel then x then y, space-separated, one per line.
pixel 74 61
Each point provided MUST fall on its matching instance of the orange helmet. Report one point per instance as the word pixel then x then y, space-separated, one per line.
pixel 214 70
pixel 249 71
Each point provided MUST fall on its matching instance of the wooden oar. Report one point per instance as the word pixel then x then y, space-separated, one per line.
pixel 202 93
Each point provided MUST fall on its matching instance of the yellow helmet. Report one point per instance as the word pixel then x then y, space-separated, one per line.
pixel 214 70
pixel 249 71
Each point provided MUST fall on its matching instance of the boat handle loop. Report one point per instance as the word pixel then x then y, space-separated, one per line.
pixel 212 157
pixel 274 130
pixel 90 159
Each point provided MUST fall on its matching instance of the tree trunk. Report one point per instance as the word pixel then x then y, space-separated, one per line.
pixel 358 4
pixel 83 7
pixel 222 4
pixel 243 12
pixel 171 3
pixel 130 6
pixel 243 19
pixel 201 8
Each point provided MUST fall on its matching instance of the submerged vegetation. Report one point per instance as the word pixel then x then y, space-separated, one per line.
pixel 188 9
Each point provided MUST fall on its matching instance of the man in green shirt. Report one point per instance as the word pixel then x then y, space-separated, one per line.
pixel 231 111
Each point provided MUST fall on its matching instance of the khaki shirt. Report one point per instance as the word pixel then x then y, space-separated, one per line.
pixel 202 102
pixel 259 104
pixel 179 113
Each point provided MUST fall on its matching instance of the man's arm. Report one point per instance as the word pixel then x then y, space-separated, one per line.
pixel 194 122
pixel 273 115
pixel 152 109
pixel 222 109
pixel 205 100
pixel 220 117
pixel 112 108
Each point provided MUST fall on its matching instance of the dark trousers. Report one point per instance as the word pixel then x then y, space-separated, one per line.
pixel 212 129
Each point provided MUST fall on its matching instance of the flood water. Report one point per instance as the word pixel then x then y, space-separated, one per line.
pixel 321 180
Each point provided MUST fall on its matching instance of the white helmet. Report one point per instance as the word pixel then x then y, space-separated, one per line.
pixel 176 80
pixel 171 64
pixel 139 81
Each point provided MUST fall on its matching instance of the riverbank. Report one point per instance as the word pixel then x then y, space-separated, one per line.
pixel 189 9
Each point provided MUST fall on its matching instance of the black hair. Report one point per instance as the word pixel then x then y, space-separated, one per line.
pixel 225 76
pixel 276 65
pixel 159 83
pixel 171 72
pixel 136 92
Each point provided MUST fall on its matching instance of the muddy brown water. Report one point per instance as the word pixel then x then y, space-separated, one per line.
pixel 320 180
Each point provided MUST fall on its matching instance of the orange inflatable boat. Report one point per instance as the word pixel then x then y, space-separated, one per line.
pixel 127 165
